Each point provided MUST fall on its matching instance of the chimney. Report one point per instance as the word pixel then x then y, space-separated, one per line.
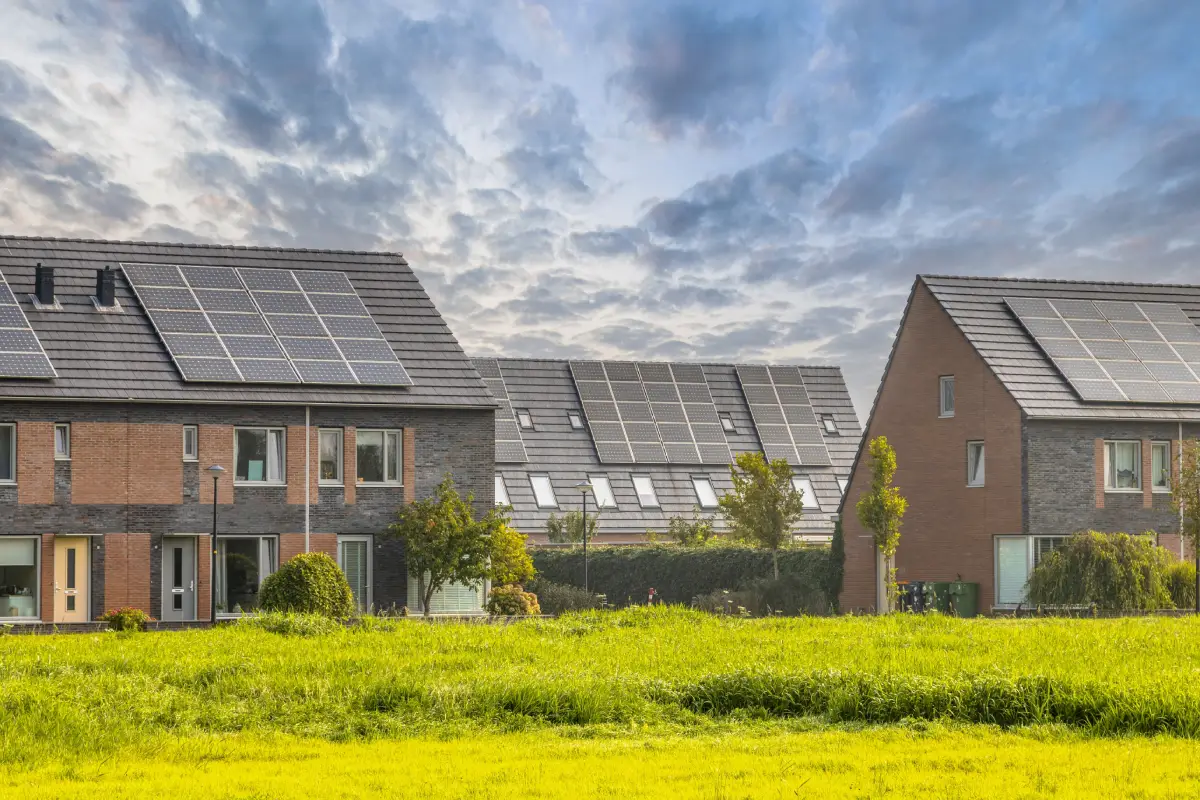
pixel 105 291
pixel 44 285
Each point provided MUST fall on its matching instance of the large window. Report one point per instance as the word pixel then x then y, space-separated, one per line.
pixel 258 453
pixel 705 494
pixel 19 575
pixel 946 396
pixel 243 562
pixel 1123 465
pixel 8 453
pixel 62 441
pixel 1016 556
pixel 329 445
pixel 1160 466
pixel 602 488
pixel 543 491
pixel 501 492
pixel 805 488
pixel 378 457
pixel 644 486
pixel 975 463
pixel 354 557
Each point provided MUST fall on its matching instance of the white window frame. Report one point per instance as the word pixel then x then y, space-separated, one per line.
pixel 946 410
pixel 369 603
pixel 975 481
pixel 65 453
pixel 641 496
pixel 268 550
pixel 727 422
pixel 538 497
pixel 1032 557
pixel 704 480
pixel 387 433
pixel 37 573
pixel 1109 479
pixel 282 456
pixel 1167 460
pixel 194 455
pixel 807 492
pixel 843 485
pixel 829 424
pixel 605 498
pixel 524 419
pixel 501 498
pixel 340 437
pixel 576 420
pixel 12 456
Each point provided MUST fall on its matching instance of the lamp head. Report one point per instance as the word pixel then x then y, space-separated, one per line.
pixel 583 487
pixel 215 470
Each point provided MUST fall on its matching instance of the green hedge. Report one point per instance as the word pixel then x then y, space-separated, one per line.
pixel 678 574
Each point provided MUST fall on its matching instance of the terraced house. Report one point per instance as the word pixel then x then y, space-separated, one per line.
pixel 653 440
pixel 1023 411
pixel 305 394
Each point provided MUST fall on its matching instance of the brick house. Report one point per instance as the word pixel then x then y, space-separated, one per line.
pixel 655 439
pixel 1022 411
pixel 127 370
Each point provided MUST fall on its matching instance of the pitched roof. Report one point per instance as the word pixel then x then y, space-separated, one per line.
pixel 106 356
pixel 976 305
pixel 568 456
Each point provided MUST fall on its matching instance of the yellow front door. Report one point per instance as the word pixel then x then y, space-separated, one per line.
pixel 70 579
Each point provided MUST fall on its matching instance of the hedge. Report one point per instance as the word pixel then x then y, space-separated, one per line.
pixel 678 574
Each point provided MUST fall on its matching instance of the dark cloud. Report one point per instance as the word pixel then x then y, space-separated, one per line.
pixel 671 299
pixel 561 296
pixel 609 242
pixel 550 153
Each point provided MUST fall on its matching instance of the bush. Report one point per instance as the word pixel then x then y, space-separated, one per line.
pixel 1115 571
pixel 559 598
pixel 512 601
pixel 310 583
pixel 694 532
pixel 568 529
pixel 764 597
pixel 127 619
pixel 292 624
pixel 1181 583
pixel 678 574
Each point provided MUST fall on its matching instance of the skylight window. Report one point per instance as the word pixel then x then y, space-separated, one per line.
pixel 829 423
pixel 805 487
pixel 727 423
pixel 575 419
pixel 524 419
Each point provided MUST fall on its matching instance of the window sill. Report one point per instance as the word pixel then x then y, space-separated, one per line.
pixel 945 416
pixel 331 484
pixel 1160 491
pixel 260 484
pixel 22 621
pixel 63 458
pixel 373 485
pixel 191 461
pixel 1122 491
pixel 975 485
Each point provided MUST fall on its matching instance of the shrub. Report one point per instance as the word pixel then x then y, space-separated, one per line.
pixel 559 598
pixel 310 583
pixel 292 624
pixel 510 562
pixel 765 596
pixel 1180 577
pixel 127 619
pixel 837 565
pixel 512 601
pixel 694 532
pixel 679 574
pixel 1115 571
pixel 568 529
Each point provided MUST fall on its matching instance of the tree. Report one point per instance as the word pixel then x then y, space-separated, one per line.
pixel 1185 499
pixel 510 561
pixel 763 505
pixel 568 529
pixel 443 542
pixel 694 532
pixel 881 509
pixel 837 564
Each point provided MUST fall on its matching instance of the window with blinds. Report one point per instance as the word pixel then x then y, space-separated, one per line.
pixel 454 598
pixel 354 557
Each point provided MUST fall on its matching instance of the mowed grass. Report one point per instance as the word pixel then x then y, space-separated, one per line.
pixel 751 762
pixel 65 697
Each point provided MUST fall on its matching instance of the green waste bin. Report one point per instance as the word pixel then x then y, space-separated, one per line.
pixel 965 598
pixel 941 597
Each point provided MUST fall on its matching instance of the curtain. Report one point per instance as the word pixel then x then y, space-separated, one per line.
pixel 274 455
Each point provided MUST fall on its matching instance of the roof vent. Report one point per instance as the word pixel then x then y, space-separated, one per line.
pixel 105 291
pixel 44 285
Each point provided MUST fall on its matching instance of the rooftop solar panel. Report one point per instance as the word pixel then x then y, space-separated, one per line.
pixel 510 444
pixel 782 414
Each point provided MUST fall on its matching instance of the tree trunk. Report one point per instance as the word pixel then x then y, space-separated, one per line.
pixel 421 594
pixel 775 562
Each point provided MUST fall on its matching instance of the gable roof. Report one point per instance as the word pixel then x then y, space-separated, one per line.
pixel 118 356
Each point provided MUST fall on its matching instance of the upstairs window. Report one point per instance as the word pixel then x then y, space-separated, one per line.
pixel 602 489
pixel 8 453
pixel 575 419
pixel 524 419
pixel 1160 466
pixel 62 441
pixel 378 457
pixel 543 491
pixel 259 455
pixel 946 396
pixel 329 445
pixel 191 443
pixel 808 495
pixel 705 493
pixel 644 486
pixel 727 422
pixel 501 492
pixel 1123 465
pixel 829 423
pixel 974 463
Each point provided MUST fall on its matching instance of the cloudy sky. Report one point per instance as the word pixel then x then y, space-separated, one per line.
pixel 758 180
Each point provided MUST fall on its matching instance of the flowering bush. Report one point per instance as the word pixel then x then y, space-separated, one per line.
pixel 512 601
pixel 127 619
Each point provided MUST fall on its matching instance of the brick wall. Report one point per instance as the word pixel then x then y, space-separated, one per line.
pixel 203 571
pixel 216 447
pixel 99 463
pixel 295 465
pixel 408 466
pixel 47 569
pixel 127 572
pixel 949 528
pixel 292 545
pixel 35 462
pixel 155 464
pixel 349 465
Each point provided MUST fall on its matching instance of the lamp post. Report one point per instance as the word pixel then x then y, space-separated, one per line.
pixel 584 487
pixel 216 470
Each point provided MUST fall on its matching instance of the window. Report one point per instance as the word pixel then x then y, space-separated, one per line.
pixel 574 418
pixel 1160 466
pixel 946 395
pixel 805 488
pixel 543 491
pixel 19 573
pixel 191 443
pixel 645 491
pixel 602 489
pixel 258 455
pixel 1123 466
pixel 705 492
pixel 830 424
pixel 8 453
pixel 974 463
pixel 354 557
pixel 62 441
pixel 843 484
pixel 501 492
pixel 329 449
pixel 1016 556
pixel 378 457
pixel 727 422
pixel 243 562
pixel 524 419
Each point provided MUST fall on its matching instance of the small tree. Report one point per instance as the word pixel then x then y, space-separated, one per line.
pixel 763 505
pixel 694 532
pixel 881 509
pixel 443 542
pixel 510 561
pixel 568 529
pixel 1185 499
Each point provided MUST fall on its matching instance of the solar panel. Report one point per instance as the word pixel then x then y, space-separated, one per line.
pixel 1117 351
pixel 510 444
pixel 783 415
pixel 682 453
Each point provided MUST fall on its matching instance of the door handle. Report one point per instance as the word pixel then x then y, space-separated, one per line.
pixel 191 586
pixel 56 587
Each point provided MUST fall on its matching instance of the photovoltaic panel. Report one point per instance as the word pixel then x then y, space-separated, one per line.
pixel 783 415
pixel 1117 351
pixel 510 444
pixel 21 352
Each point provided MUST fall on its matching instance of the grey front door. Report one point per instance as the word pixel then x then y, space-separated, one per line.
pixel 179 578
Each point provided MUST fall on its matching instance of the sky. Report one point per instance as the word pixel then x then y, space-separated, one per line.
pixel 756 181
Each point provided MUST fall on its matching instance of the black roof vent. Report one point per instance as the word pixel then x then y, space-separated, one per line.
pixel 105 288
pixel 44 285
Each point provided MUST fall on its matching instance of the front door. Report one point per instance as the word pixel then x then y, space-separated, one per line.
pixel 354 557
pixel 179 578
pixel 71 579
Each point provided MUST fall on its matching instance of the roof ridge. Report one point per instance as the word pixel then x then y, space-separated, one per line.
pixel 1000 278
pixel 661 361
pixel 242 247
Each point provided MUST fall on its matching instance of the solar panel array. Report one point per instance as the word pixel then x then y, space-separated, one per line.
pixel 21 352
pixel 510 446
pixel 1117 351
pixel 243 325
pixel 783 415
pixel 650 413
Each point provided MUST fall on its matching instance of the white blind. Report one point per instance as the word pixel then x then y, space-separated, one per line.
pixel 354 564
pixel 18 552
pixel 454 598
pixel 1012 563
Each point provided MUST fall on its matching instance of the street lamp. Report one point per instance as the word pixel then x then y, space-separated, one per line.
pixel 216 470
pixel 584 487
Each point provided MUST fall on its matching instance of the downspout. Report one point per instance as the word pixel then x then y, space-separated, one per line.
pixel 307 467
pixel 1179 459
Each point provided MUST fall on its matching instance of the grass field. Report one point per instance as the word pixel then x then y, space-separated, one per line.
pixel 636 696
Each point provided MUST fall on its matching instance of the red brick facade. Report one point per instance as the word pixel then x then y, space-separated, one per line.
pixel 216 447
pixel 292 545
pixel 408 468
pixel 35 462
pixel 204 557
pixel 350 465
pixel 295 465
pixel 127 572
pixel 47 570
